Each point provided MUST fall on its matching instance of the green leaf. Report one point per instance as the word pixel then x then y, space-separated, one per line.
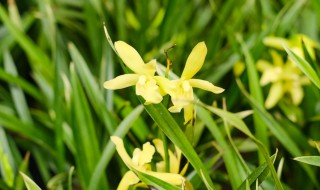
pixel 31 185
pixel 92 88
pixel 256 92
pixel 71 170
pixel 235 173
pixel 305 67
pixel 169 126
pixel 154 182
pixel 311 160
pixel 25 85
pixel 84 131
pixel 16 92
pixel 42 63
pixel 6 168
pixel 276 129
pixel 260 174
pixel 233 119
pixel 36 134
pixel 109 149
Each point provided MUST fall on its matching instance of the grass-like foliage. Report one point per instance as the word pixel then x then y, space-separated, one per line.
pixel 170 94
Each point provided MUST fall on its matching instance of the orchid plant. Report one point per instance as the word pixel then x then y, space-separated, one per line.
pixel 152 88
pixel 141 161
pixel 286 77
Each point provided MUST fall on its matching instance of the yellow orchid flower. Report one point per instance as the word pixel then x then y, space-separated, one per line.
pixel 140 162
pixel 174 158
pixel 143 77
pixel 181 90
pixel 294 43
pixel 286 78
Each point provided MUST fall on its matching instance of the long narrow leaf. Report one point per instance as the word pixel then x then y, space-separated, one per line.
pixel 170 127
pixel 305 67
pixel 84 132
pixel 277 130
pixel 92 88
pixel 260 173
pixel 311 160
pixel 30 184
pixel 109 149
pixel 42 62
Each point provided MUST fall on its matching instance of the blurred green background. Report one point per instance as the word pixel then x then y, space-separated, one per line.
pixel 54 58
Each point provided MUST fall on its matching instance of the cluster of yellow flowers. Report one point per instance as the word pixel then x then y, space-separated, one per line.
pixel 152 88
pixel 141 160
pixel 285 77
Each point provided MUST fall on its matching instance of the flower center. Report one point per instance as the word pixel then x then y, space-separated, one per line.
pixel 147 88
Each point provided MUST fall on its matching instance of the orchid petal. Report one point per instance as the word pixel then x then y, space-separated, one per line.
pixel 277 59
pixel 175 109
pixel 238 68
pixel 195 61
pixel 145 156
pixel 181 94
pixel 296 93
pixel 133 60
pixel 270 75
pixel 188 113
pixel 174 163
pixel 122 151
pixel 147 88
pixel 128 179
pixel 263 65
pixel 121 81
pixel 174 179
pixel 165 84
pixel 205 85
pixel 275 42
pixel 129 56
pixel 275 93
pixel 161 166
pixel 184 169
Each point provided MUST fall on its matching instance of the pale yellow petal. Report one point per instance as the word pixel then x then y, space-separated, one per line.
pixel 175 109
pixel 296 93
pixel 121 150
pixel 188 113
pixel 129 56
pixel 181 95
pixel 133 60
pixel 270 75
pixel 304 80
pixel 135 156
pixel 165 84
pixel 174 179
pixel 275 94
pixel 297 39
pixel 195 61
pixel 205 85
pixel 299 51
pixel 238 68
pixel 263 65
pixel 174 163
pixel 128 179
pixel 147 88
pixel 276 58
pixel 121 81
pixel 144 156
pixel 147 153
pixel 161 166
pixel 275 42
pixel 149 68
pixel 184 169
